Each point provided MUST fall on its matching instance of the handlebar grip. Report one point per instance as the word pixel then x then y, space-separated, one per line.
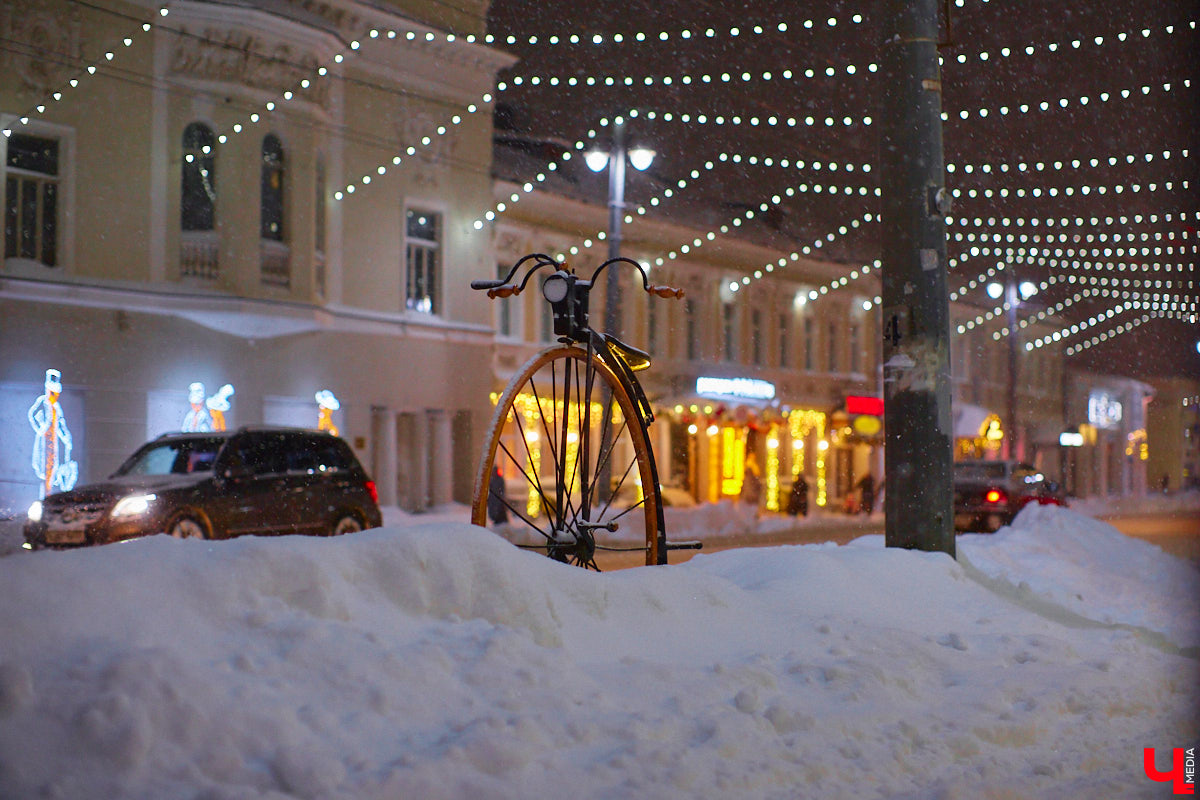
pixel 504 290
pixel 486 284
pixel 666 291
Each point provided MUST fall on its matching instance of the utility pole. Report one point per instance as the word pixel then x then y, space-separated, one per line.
pixel 616 213
pixel 916 313
pixel 1012 439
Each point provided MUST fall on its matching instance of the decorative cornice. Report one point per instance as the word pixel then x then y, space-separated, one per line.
pixel 53 35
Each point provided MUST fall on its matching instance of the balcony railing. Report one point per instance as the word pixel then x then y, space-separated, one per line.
pixel 198 255
pixel 276 267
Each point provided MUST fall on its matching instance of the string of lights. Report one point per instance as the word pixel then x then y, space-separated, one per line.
pixel 1104 336
pixel 683 34
pixel 411 150
pixel 1065 102
pixel 519 79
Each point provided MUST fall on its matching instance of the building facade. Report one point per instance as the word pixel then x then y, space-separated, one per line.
pixel 269 198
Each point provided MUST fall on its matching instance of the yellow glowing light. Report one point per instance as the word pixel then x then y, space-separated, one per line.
pixel 692 429
pixel 712 430
pixel 773 471
pixel 823 445
pixel 733 462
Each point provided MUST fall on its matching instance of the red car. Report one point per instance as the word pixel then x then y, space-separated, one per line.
pixel 988 494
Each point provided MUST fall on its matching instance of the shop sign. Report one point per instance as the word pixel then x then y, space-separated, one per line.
pixel 1070 439
pixel 1104 409
pixel 871 406
pixel 744 388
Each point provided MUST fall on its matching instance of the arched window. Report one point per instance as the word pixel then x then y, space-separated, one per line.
pixel 272 188
pixel 198 200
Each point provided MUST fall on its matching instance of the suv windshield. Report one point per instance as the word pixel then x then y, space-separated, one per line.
pixel 178 457
pixel 988 471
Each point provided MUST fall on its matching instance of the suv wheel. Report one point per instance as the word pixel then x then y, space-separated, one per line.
pixel 347 523
pixel 187 526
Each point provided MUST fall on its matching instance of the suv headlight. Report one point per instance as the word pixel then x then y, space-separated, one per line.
pixel 133 506
pixel 35 511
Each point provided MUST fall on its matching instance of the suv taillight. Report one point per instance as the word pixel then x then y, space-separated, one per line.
pixel 370 486
pixel 995 496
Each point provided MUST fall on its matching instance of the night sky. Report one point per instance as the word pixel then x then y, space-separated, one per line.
pixel 1112 228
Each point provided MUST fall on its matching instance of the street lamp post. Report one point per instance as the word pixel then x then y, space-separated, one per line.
pixel 1014 294
pixel 640 158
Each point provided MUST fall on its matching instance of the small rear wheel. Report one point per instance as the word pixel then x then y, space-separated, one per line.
pixel 568 467
pixel 187 526
pixel 347 523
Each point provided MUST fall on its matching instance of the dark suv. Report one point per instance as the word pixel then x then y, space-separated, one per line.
pixel 988 494
pixel 215 486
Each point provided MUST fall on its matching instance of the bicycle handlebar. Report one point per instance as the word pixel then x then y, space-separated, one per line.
pixel 506 288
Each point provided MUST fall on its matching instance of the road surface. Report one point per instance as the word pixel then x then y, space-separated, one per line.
pixel 1177 533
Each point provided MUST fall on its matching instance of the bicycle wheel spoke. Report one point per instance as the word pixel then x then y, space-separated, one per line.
pixel 582 447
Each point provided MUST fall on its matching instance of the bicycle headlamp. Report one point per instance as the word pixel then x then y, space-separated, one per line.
pixel 555 288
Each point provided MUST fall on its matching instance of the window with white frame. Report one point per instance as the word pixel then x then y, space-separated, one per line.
pixel 690 329
pixel 31 195
pixel 652 345
pixel 756 337
pixel 785 333
pixel 198 190
pixel 832 352
pixel 271 201
pixel 810 344
pixel 729 331
pixel 422 260
pixel 506 310
pixel 855 349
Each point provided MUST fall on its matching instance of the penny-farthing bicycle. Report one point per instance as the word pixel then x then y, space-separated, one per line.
pixel 567 465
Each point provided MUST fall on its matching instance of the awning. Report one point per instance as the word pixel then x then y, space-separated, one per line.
pixel 969 420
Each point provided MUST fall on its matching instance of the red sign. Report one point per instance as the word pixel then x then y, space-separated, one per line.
pixel 856 404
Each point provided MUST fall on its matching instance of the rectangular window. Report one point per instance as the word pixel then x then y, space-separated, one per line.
pixel 785 320
pixel 809 344
pixel 421 260
pixel 503 306
pixel 652 345
pixel 855 355
pixel 729 329
pixel 832 352
pixel 31 199
pixel 756 338
pixel 689 310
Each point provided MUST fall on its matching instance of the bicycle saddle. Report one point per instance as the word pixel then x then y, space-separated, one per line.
pixel 635 359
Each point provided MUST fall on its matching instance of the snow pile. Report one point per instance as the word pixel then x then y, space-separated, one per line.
pixel 1185 502
pixel 1091 569
pixel 437 661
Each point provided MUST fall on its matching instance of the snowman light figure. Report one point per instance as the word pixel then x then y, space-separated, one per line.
pixel 206 414
pixel 327 403
pixel 52 440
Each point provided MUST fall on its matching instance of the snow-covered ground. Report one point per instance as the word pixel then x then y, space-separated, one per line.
pixel 434 660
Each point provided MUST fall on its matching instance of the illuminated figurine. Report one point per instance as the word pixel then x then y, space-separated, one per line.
pixel 206 414
pixel 218 404
pixel 52 441
pixel 326 405
pixel 197 420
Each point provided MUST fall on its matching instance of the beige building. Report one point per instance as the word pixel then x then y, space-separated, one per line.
pixel 179 209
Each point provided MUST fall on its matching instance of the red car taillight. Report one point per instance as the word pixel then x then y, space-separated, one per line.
pixel 373 491
pixel 994 496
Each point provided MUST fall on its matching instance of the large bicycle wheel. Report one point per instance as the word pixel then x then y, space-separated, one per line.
pixel 567 468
